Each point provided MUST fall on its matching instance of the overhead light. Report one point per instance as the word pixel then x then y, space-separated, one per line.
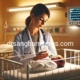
pixel 27 8
pixel 19 9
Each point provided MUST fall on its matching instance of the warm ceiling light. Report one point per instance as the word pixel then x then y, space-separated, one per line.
pixel 26 8
pixel 19 9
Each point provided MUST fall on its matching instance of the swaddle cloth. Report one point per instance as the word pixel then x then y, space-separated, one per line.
pixel 42 65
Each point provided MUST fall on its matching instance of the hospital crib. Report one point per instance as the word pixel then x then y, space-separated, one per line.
pixel 6 50
pixel 71 70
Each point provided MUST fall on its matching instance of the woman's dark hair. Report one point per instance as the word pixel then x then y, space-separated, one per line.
pixel 27 21
pixel 38 9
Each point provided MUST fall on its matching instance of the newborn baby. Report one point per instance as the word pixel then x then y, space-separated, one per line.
pixel 59 60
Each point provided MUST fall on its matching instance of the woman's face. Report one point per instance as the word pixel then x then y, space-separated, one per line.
pixel 39 20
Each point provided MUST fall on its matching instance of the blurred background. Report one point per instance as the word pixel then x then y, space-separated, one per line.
pixel 13 22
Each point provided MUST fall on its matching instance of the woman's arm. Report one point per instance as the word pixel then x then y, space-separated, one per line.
pixel 41 55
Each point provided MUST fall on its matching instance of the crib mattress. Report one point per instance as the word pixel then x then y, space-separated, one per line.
pixel 66 72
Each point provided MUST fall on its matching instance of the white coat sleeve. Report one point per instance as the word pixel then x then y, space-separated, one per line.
pixel 52 47
pixel 19 47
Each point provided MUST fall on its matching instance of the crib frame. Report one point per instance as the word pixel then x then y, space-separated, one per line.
pixel 16 65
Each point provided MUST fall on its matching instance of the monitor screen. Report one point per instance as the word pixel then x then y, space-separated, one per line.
pixel 73 15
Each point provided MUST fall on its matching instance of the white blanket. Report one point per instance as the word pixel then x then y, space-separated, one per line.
pixel 40 65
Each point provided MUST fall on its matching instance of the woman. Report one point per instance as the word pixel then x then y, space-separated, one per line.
pixel 24 49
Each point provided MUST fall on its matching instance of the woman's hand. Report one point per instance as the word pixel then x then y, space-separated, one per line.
pixel 41 55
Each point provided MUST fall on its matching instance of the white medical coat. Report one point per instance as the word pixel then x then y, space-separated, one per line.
pixel 27 51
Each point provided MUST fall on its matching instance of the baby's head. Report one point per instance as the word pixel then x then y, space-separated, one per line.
pixel 59 60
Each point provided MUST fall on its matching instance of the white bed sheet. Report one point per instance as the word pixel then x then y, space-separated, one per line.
pixel 70 70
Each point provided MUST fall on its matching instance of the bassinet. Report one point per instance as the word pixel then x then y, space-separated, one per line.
pixel 70 71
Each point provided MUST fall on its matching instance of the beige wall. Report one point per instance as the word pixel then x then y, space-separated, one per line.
pixel 57 19
pixel 18 18
pixel 1 22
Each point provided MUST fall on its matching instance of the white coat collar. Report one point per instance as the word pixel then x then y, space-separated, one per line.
pixel 41 40
pixel 30 40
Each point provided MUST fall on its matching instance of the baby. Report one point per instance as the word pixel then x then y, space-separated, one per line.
pixel 59 60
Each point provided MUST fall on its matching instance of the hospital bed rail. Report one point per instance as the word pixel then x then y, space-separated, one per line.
pixel 6 54
pixel 10 65
pixel 73 58
pixel 70 54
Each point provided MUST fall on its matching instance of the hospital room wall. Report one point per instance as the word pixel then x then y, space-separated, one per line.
pixel 1 22
pixel 57 19
pixel 73 35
